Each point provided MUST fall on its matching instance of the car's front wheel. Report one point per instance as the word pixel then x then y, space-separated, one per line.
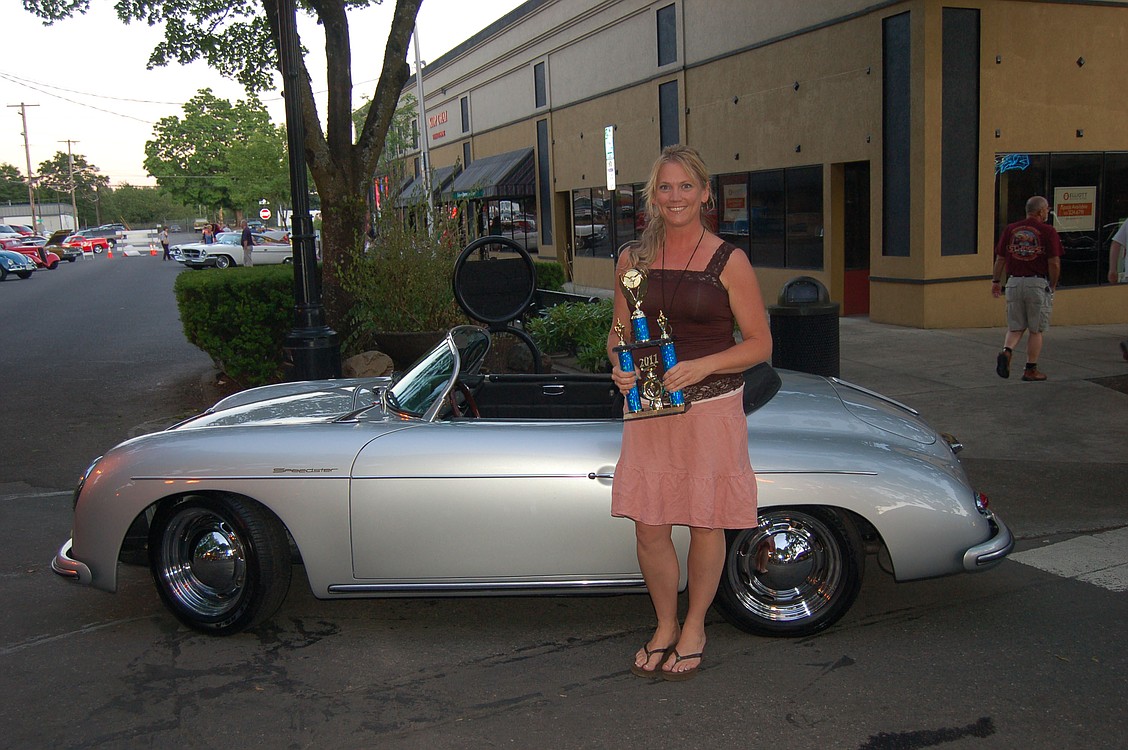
pixel 24 274
pixel 221 563
pixel 795 574
pixel 223 261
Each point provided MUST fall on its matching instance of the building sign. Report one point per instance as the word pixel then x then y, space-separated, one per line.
pixel 609 153
pixel 1075 209
pixel 435 124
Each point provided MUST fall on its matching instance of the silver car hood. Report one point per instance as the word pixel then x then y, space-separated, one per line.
pixel 293 403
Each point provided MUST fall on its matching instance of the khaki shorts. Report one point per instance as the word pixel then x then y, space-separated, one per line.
pixel 1029 303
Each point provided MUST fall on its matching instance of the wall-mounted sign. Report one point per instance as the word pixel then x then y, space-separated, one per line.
pixel 1075 209
pixel 609 152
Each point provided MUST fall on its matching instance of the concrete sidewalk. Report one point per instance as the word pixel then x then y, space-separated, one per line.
pixel 949 376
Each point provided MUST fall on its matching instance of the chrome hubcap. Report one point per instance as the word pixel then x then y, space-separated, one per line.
pixel 788 568
pixel 203 562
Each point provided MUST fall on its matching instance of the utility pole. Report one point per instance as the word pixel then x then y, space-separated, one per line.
pixel 70 162
pixel 423 133
pixel 27 151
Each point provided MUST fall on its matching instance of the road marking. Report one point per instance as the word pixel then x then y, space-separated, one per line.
pixel 1099 559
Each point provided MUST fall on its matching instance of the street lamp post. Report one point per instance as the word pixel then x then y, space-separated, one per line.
pixel 313 346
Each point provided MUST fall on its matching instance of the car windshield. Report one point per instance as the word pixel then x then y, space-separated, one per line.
pixel 419 392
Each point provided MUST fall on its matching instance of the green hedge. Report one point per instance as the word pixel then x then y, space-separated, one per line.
pixel 550 275
pixel 240 317
pixel 576 328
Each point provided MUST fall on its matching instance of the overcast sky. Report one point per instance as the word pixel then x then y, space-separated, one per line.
pixel 87 77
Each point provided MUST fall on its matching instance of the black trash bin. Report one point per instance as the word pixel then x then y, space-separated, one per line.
pixel 805 328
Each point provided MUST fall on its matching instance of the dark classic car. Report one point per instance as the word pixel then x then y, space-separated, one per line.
pixel 450 481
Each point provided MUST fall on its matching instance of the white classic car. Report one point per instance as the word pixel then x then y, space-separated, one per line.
pixel 227 251
pixel 447 481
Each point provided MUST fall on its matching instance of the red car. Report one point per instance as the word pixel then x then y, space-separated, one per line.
pixel 43 258
pixel 87 244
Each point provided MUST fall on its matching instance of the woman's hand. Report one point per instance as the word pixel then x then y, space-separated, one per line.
pixel 624 381
pixel 687 373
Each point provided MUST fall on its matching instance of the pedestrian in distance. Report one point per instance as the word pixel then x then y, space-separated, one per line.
pixel 207 234
pixel 164 242
pixel 691 468
pixel 1029 253
pixel 1117 273
pixel 247 240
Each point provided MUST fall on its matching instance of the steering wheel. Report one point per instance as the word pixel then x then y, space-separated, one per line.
pixel 471 404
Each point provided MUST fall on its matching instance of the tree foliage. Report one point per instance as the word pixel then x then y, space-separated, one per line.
pixel 13 186
pixel 219 155
pixel 239 38
pixel 56 176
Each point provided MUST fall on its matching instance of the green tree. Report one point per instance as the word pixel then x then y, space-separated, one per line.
pixel 260 169
pixel 13 186
pixel 142 206
pixel 57 174
pixel 217 154
pixel 239 38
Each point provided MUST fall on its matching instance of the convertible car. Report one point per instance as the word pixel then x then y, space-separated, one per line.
pixel 447 480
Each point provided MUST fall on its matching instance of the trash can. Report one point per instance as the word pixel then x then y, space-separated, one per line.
pixel 805 328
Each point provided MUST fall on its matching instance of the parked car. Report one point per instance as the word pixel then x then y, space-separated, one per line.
pixel 59 243
pixel 17 263
pixel 41 256
pixel 109 233
pixel 23 229
pixel 448 481
pixel 86 244
pixel 227 251
pixel 9 232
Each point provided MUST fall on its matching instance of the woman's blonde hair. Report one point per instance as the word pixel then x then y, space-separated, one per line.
pixel 644 250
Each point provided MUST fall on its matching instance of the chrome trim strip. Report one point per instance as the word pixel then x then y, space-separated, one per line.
pixel 587 475
pixel 229 478
pixel 500 586
pixel 875 394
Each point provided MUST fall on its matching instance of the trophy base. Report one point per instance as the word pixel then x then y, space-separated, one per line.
pixel 665 411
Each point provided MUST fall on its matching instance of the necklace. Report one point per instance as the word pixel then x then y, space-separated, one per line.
pixel 674 294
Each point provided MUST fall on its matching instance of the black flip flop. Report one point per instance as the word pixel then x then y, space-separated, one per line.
pixel 687 674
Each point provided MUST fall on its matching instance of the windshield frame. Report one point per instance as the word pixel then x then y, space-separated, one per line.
pixel 425 386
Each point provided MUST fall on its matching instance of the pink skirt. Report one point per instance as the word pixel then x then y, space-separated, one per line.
pixel 689 469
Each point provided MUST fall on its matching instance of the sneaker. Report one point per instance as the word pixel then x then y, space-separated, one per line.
pixel 1124 348
pixel 1035 375
pixel 1002 364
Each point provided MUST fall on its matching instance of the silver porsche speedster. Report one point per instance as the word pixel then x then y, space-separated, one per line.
pixel 451 481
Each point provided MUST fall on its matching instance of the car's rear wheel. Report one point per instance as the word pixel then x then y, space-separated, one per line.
pixel 795 574
pixel 221 564
pixel 223 261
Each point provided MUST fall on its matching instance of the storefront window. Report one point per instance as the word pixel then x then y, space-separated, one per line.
pixel 766 210
pixel 1089 193
pixel 804 218
pixel 733 224
pixel 624 214
pixel 512 219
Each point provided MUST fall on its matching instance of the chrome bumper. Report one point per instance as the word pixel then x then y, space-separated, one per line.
pixel 991 552
pixel 68 567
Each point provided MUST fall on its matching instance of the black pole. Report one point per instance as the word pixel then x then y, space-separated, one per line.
pixel 313 346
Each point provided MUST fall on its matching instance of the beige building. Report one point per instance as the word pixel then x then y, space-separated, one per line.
pixel 877 146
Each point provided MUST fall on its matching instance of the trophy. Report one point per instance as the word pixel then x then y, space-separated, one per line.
pixel 659 401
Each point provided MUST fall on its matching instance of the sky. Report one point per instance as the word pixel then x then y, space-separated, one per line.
pixel 89 85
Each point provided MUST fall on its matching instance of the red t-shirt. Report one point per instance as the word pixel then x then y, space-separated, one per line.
pixel 1027 246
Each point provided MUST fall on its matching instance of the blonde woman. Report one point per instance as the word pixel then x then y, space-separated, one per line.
pixel 689 469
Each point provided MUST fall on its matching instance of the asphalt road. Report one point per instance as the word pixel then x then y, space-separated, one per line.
pixel 1022 656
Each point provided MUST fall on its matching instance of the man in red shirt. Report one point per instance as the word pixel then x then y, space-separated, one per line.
pixel 1030 253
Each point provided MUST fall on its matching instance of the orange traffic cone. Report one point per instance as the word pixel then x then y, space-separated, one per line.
pixel 109 253
pixel 152 249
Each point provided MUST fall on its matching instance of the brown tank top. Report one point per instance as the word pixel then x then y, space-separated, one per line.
pixel 700 318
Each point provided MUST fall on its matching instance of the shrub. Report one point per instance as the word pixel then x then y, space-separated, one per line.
pixel 579 329
pixel 550 275
pixel 402 283
pixel 240 317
